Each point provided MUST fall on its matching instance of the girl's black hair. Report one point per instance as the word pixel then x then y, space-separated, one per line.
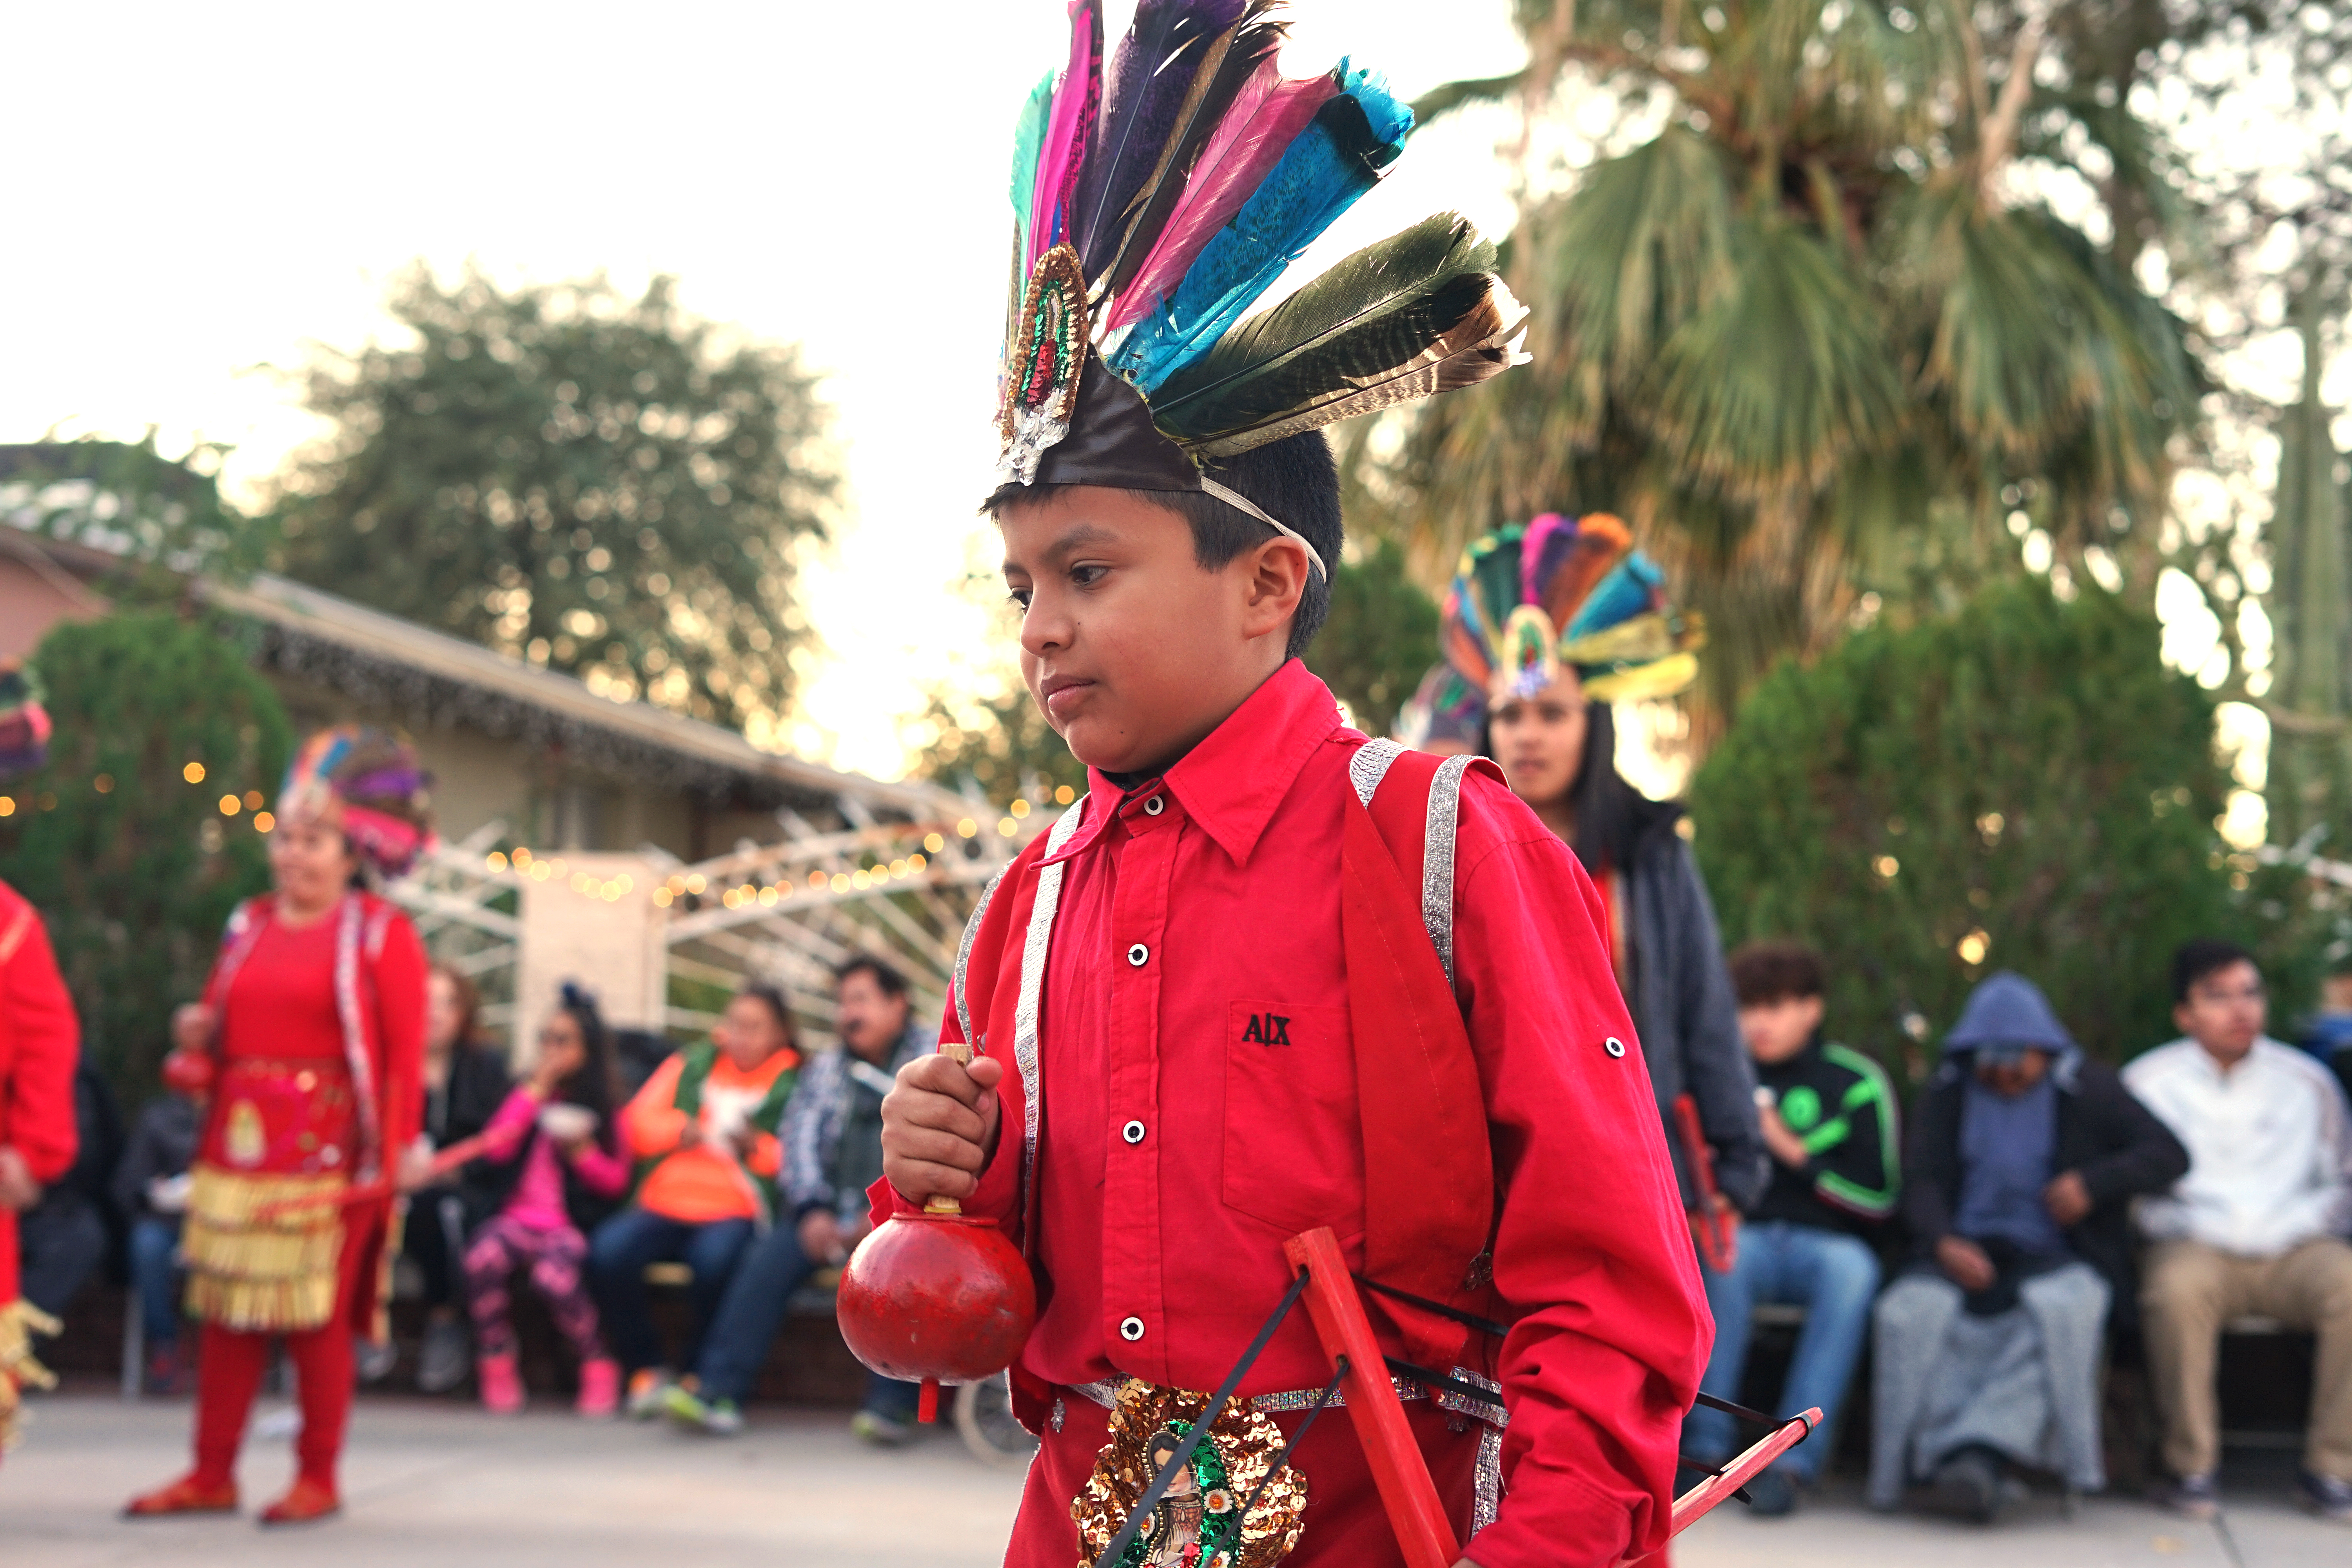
pixel 592 1084
pixel 1612 817
pixel 772 997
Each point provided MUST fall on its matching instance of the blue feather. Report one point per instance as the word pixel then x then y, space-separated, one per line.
pixel 1028 143
pixel 1334 162
pixel 1629 589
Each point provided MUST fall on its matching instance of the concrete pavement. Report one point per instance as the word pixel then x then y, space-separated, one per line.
pixel 438 1484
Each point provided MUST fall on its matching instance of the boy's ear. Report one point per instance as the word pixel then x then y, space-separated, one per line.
pixel 1277 582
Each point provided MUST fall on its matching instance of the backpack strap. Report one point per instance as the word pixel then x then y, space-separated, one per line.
pixel 1423 843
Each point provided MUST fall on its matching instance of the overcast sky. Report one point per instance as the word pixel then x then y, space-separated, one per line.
pixel 200 189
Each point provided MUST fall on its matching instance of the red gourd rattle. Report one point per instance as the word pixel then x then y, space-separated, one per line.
pixel 936 1296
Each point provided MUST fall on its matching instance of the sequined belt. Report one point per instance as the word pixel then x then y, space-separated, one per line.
pixel 1105 1394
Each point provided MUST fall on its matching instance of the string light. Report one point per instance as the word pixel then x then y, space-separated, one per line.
pixel 1020 808
pixel 1007 828
pixel 253 800
pixel 8 806
pixel 968 828
pixel 498 862
pixel 104 784
pixel 230 806
pixel 264 821
pixel 1063 795
pixel 934 843
pixel 194 773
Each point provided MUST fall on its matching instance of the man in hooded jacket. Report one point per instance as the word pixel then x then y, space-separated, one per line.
pixel 2024 1156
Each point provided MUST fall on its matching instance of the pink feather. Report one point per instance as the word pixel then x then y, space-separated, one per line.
pixel 1068 127
pixel 1265 118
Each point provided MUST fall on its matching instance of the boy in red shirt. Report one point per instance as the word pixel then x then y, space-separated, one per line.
pixel 1269 974
pixel 40 1041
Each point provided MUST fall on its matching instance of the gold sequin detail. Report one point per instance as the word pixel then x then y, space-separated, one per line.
pixel 1247 1442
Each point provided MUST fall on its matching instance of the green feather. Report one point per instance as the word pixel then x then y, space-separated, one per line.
pixel 1028 142
pixel 1379 309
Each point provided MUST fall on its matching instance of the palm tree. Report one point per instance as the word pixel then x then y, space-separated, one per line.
pixel 1814 310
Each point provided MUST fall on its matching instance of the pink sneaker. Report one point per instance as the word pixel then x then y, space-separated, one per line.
pixel 502 1385
pixel 600 1386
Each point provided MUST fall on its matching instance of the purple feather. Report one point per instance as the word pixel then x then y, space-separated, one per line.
pixel 1150 78
pixel 1550 539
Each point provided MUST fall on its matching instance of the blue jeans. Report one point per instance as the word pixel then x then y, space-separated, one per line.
pixel 736 1345
pixel 617 1258
pixel 155 1276
pixel 1834 1276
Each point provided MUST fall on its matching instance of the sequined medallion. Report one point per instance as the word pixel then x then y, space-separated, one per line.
pixel 1199 1523
pixel 1042 364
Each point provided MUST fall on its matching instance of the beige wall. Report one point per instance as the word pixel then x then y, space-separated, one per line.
pixel 31 601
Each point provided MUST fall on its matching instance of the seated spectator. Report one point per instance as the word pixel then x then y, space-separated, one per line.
pixel 2256 1225
pixel 466 1080
pixel 554 1156
pixel 63 1238
pixel 2330 1040
pixel 2024 1156
pixel 1829 1119
pixel 704 1131
pixel 833 1152
pixel 151 1189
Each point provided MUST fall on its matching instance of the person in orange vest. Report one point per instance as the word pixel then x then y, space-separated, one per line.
pixel 703 1129
pixel 40 1043
pixel 1271 976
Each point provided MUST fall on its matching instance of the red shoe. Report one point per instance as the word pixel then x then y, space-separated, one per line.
pixel 501 1384
pixel 307 1499
pixel 186 1495
pixel 600 1386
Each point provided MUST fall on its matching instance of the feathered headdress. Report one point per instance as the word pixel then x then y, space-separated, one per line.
pixel 1559 593
pixel 1151 212
pixel 373 778
pixel 23 722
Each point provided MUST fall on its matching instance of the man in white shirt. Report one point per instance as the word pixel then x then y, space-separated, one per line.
pixel 2257 1226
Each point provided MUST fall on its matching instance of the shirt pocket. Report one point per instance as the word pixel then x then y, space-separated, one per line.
pixel 1294 1153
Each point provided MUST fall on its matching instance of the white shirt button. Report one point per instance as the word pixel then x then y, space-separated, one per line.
pixel 1132 1131
pixel 1614 1045
pixel 1155 805
pixel 1130 1329
pixel 1138 955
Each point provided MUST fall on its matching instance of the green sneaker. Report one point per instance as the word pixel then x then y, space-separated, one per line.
pixel 683 1406
pixel 723 1419
pixel 872 1426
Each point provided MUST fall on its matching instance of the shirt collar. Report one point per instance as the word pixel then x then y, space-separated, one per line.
pixel 1232 782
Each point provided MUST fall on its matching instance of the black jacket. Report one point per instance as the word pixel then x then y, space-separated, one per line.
pixel 587 1209
pixel 2112 1140
pixel 163 1144
pixel 478 1086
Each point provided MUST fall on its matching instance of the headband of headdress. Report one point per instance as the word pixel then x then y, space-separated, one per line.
pixel 1558 593
pixel 23 722
pixel 374 776
pixel 1151 212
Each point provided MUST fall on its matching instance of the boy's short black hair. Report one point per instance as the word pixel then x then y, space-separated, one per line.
pixel 1775 971
pixel 887 978
pixel 1296 479
pixel 2201 956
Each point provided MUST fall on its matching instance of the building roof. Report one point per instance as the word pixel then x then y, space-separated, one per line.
pixel 370 655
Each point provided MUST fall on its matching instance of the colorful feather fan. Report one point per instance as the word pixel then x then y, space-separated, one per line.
pixel 1561 594
pixel 1151 214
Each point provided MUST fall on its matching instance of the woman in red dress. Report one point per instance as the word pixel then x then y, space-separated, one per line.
pixel 313 1025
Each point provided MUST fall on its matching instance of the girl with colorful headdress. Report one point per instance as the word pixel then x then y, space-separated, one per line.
pixel 1546 626
pixel 40 1042
pixel 311 1035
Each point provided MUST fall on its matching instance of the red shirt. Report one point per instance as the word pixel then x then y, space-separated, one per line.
pixel 1198 1106
pixel 40 1040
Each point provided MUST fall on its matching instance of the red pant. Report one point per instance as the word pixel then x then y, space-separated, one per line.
pixel 1346 1525
pixel 229 1371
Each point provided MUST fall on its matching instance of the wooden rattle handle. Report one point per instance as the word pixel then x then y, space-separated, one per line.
pixel 960 1053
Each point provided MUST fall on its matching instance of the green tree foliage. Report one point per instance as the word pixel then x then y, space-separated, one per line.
pixel 135 865
pixel 163 517
pixel 606 485
pixel 2021 785
pixel 1812 303
pixel 1381 639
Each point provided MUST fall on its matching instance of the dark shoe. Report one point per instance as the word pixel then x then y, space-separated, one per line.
pixel 2191 1497
pixel 1772 1495
pixel 186 1495
pixel 306 1500
pixel 164 1375
pixel 1970 1484
pixel 2325 1495
pixel 442 1363
pixel 375 1361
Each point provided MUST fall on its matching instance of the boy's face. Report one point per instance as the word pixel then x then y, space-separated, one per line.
pixel 2225 1012
pixel 1777 1029
pixel 1131 649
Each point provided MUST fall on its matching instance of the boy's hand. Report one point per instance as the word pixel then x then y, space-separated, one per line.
pixel 2067 1198
pixel 17 1188
pixel 940 1126
pixel 1785 1145
pixel 1965 1263
pixel 192 1026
